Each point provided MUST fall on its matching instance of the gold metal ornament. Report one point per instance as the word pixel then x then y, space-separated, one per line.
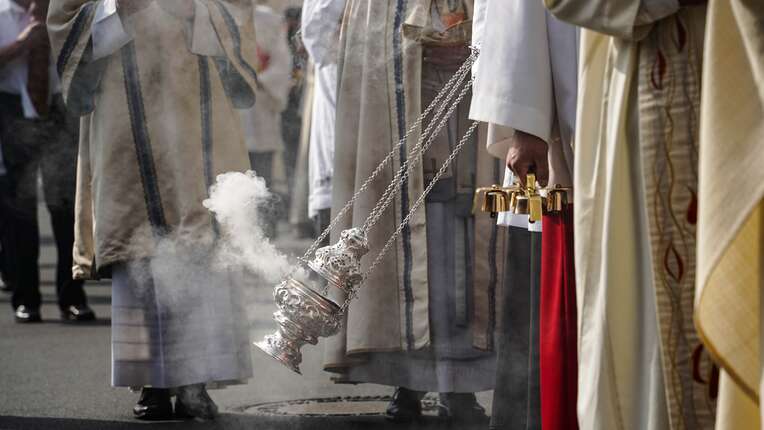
pixel 535 200
pixel 557 198
pixel 495 199
pixel 522 200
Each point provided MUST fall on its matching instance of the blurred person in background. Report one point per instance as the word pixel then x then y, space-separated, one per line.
pixel 320 35
pixel 156 84
pixel 291 118
pixel 262 122
pixel 36 133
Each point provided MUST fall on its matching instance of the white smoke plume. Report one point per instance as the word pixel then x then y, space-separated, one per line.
pixel 235 200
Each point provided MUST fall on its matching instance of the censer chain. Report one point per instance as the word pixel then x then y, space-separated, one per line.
pixel 440 118
pixel 378 260
pixel 403 172
pixel 405 169
pixel 447 89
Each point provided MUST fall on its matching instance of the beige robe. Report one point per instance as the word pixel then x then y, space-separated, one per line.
pixel 380 72
pixel 144 168
pixel 731 219
pixel 636 186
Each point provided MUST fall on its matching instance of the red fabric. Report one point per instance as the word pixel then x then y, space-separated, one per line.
pixel 558 365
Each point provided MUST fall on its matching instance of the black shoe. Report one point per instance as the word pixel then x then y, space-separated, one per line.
pixel 462 407
pixel 406 405
pixel 26 314
pixel 153 405
pixel 192 401
pixel 77 313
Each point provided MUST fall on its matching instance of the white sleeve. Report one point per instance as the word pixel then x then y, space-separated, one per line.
pixel 563 48
pixel 654 10
pixel 497 143
pixel 320 29
pixel 513 87
pixel 204 40
pixel 108 33
pixel 625 19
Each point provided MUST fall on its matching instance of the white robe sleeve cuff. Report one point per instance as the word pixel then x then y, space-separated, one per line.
pixel 497 144
pixel 108 33
pixel 495 110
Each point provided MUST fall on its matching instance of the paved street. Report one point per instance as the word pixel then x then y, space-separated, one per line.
pixel 56 376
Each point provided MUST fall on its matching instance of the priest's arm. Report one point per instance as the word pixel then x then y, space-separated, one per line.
pixel 525 83
pixel 626 19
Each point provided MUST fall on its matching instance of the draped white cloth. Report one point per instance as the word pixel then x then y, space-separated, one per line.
pixel 731 224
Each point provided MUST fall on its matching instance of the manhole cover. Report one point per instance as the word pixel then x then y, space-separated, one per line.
pixel 335 406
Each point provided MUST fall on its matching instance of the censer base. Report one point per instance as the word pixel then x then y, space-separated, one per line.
pixel 303 317
pixel 277 354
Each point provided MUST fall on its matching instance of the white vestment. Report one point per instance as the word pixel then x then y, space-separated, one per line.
pixel 320 34
pixel 149 150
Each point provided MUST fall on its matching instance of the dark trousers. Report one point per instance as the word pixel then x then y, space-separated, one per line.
pixel 262 164
pixel 517 398
pixel 49 145
pixel 321 222
pixel 5 231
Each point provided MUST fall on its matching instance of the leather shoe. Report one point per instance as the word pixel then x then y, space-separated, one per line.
pixel 406 405
pixel 193 401
pixel 77 313
pixel 25 314
pixel 462 407
pixel 153 405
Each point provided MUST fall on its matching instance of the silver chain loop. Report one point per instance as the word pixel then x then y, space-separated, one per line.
pixel 378 260
pixel 401 175
pixel 447 89
pixel 407 167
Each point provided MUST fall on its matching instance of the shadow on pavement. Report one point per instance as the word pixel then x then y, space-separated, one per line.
pixel 233 422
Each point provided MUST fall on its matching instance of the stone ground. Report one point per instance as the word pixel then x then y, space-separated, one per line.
pixel 56 376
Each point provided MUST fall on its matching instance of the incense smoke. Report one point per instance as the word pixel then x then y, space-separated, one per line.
pixel 236 200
